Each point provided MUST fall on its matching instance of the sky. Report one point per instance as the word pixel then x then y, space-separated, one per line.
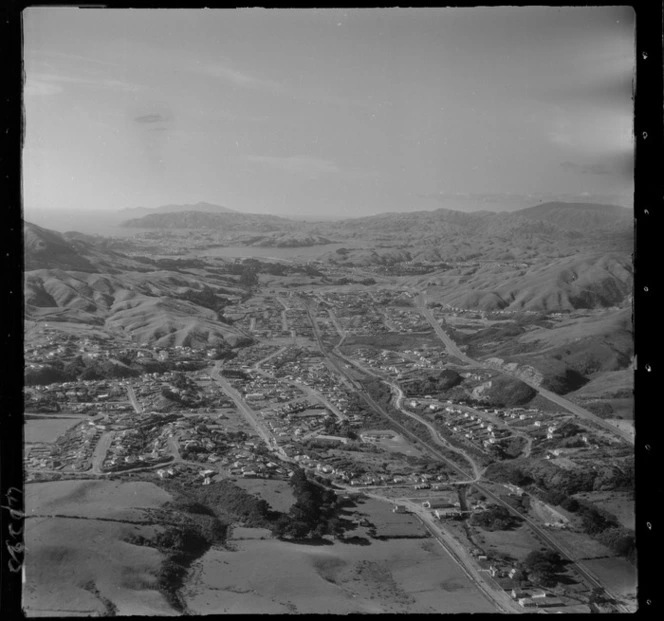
pixel 328 112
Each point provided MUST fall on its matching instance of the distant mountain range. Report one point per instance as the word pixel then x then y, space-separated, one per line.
pixel 544 218
pixel 137 212
pixel 231 221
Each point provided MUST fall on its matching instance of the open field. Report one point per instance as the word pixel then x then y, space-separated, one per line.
pixel 584 546
pixel 276 493
pixel 395 443
pixel 277 577
pixel 48 428
pixel 80 563
pixel 389 524
pixel 92 499
pixel 620 504
pixel 619 576
pixel 517 543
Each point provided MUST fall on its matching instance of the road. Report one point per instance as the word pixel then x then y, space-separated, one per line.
pixel 245 410
pixel 496 595
pixel 99 454
pixel 453 349
pixel 134 401
pixel 262 361
pixel 435 434
pixel 539 531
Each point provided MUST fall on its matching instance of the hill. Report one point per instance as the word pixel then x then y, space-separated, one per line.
pixel 150 307
pixel 44 249
pixel 137 212
pixel 222 222
pixel 578 216
pixel 561 284
pixel 551 229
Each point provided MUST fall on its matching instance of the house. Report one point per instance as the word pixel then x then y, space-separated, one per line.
pixel 519 594
pixel 440 503
pixel 448 512
pixel 526 602
pixel 548 602
pixel 399 509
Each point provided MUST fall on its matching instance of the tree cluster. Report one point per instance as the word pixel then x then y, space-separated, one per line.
pixel 313 514
pixel 542 567
pixel 496 517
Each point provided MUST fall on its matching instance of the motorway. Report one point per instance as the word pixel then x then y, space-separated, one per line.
pixel 539 531
pixel 453 349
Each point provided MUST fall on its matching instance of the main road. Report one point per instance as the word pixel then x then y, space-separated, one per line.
pixel 551 396
pixel 539 531
pixel 134 401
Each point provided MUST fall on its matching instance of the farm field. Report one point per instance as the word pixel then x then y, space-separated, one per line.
pixel 618 575
pixel 389 524
pixel 93 499
pixel 518 542
pixel 272 576
pixel 48 428
pixel 80 564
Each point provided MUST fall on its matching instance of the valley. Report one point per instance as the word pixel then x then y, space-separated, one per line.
pixel 454 390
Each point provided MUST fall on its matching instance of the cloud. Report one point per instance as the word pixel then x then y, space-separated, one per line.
pixel 41 88
pixel 239 78
pixel 618 164
pixel 52 83
pixel 151 118
pixel 586 169
pixel 301 93
pixel 297 164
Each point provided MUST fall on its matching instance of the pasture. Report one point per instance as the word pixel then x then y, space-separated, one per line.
pixel 272 576
pixel 81 565
pixel 47 429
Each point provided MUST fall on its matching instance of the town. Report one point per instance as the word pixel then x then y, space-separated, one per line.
pixel 292 398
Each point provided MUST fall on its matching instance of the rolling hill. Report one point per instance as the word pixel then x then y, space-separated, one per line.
pixel 563 284
pixel 151 307
pixel 43 248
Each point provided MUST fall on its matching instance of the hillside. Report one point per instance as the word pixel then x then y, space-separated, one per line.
pixel 578 216
pixel 563 284
pixel 566 353
pixel 44 249
pixel 150 307
pixel 552 229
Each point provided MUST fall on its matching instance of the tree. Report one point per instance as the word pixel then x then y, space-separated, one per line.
pixel 542 567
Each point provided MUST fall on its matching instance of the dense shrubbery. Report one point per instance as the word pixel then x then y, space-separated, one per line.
pixel 495 517
pixel 432 384
pixel 46 375
pixel 313 514
pixel 542 567
pixel 548 477
pixel 558 487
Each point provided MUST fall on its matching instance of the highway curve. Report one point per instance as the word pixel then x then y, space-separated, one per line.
pixel 557 399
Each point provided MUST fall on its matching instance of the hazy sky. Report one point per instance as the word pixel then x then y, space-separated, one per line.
pixel 343 112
